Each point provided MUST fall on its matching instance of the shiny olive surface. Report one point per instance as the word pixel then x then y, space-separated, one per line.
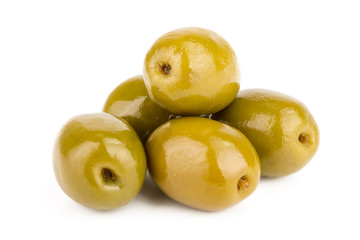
pixel 130 101
pixel 99 161
pixel 192 71
pixel 202 163
pixel 281 128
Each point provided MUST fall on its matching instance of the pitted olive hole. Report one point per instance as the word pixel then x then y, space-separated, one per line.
pixel 165 68
pixel 243 184
pixel 303 138
pixel 108 175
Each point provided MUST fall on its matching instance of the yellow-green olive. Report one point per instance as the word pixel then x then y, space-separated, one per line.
pixel 99 161
pixel 202 163
pixel 192 71
pixel 130 101
pixel 281 128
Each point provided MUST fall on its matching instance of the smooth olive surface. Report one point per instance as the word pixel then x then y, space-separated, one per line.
pixel 202 163
pixel 99 161
pixel 130 101
pixel 281 128
pixel 192 71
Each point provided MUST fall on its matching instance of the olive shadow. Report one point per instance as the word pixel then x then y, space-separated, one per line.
pixel 152 194
pixel 268 179
pixel 274 182
pixel 275 179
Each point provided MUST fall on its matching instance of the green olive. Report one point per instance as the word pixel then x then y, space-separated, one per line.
pixel 202 163
pixel 99 161
pixel 130 101
pixel 192 71
pixel 281 128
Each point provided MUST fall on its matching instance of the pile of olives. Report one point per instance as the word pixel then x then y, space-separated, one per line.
pixel 205 143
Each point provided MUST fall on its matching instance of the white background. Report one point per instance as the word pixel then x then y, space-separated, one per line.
pixel 62 58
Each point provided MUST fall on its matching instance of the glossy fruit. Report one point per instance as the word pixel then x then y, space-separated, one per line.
pixel 99 161
pixel 192 71
pixel 130 101
pixel 202 163
pixel 281 128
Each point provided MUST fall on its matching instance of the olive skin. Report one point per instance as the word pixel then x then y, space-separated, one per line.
pixel 99 161
pixel 192 71
pixel 130 101
pixel 281 128
pixel 202 163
